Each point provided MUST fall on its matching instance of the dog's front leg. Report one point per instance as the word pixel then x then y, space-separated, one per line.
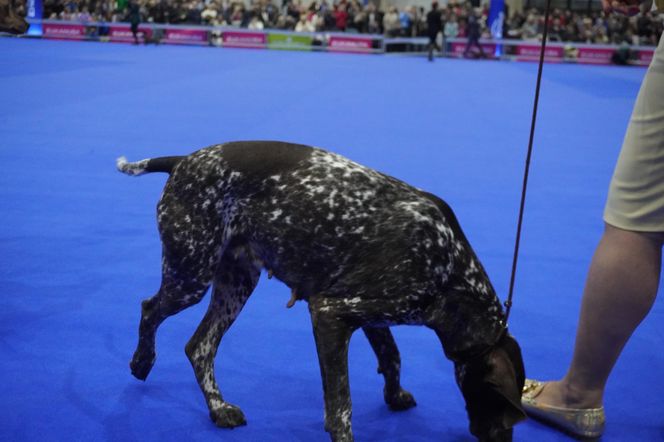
pixel 389 365
pixel 332 336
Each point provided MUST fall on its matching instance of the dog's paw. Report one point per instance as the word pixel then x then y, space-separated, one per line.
pixel 341 436
pixel 228 416
pixel 400 401
pixel 141 365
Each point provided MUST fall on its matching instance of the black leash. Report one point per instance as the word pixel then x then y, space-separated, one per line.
pixel 508 303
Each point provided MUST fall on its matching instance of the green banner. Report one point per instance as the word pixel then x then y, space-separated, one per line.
pixel 289 42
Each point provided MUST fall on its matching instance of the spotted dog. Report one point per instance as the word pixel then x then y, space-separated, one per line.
pixel 365 250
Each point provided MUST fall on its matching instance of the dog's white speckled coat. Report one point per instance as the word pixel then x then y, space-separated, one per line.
pixel 364 249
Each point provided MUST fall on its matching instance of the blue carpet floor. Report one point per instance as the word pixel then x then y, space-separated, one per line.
pixel 79 247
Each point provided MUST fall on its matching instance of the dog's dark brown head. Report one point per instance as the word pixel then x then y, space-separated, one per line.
pixel 491 385
pixel 10 20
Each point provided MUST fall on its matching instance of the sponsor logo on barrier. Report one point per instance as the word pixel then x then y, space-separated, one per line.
pixel 645 56
pixel 123 33
pixel 290 42
pixel 349 44
pixel 528 51
pixel 64 31
pixel 595 55
pixel 459 48
pixel 244 40
pixel 186 36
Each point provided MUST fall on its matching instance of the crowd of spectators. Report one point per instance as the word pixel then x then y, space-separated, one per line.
pixel 596 27
pixel 354 16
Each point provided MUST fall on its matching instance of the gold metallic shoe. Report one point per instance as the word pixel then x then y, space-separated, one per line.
pixel 579 422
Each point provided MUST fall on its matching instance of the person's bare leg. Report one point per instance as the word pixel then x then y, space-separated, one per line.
pixel 620 289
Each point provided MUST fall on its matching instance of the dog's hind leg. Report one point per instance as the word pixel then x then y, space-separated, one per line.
pixel 189 258
pixel 389 365
pixel 174 295
pixel 235 281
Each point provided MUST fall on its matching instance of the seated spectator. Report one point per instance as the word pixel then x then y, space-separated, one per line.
pixel 237 15
pixel 292 15
pixel 209 14
pixel 353 9
pixel 340 16
pixel 269 14
pixel 463 25
pixel 600 36
pixel 644 28
pixel 556 32
pixel 406 23
pixel 530 29
pixel 513 25
pixel 255 22
pixel 615 28
pixel 451 29
pixel 558 14
pixel 599 31
pixel 193 13
pixel 304 25
pixel 84 16
pixel 374 19
pixel 391 22
pixel 572 32
pixel 586 31
pixel 419 22
pixel 359 21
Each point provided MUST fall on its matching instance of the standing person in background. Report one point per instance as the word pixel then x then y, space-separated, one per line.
pixel 624 274
pixel 473 33
pixel 134 15
pixel 434 26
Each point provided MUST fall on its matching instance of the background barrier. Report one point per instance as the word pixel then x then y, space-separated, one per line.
pixel 517 50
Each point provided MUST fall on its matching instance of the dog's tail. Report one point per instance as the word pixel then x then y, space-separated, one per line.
pixel 161 164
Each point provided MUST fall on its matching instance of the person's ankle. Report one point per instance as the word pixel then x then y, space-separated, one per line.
pixel 576 395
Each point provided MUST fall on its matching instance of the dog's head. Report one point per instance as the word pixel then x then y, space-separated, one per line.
pixel 10 20
pixel 491 385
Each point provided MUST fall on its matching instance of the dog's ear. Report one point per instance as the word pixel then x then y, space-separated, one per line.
pixel 492 389
pixel 506 376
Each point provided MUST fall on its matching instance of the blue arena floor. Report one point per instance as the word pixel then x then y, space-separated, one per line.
pixel 79 246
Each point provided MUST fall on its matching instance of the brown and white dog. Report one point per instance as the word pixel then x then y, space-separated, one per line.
pixel 365 250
